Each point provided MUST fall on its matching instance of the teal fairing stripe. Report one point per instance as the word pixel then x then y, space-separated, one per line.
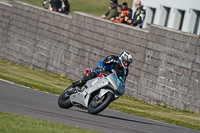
pixel 114 78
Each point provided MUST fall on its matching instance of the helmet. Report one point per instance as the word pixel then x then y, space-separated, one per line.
pixel 125 59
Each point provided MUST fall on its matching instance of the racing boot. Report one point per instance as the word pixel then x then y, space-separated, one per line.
pixel 84 79
pixel 77 83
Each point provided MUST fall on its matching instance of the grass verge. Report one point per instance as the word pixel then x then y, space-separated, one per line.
pixel 40 80
pixel 158 112
pixel 56 84
pixel 11 123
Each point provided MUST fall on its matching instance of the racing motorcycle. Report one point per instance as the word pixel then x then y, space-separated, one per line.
pixel 96 94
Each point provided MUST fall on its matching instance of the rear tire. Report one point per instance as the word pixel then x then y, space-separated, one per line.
pixel 64 99
pixel 97 105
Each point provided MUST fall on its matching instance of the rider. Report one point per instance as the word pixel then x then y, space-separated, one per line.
pixel 120 63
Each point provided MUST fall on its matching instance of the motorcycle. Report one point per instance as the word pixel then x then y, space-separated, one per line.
pixel 96 94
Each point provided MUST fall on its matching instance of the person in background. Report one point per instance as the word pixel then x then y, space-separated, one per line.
pixel 112 11
pixel 139 15
pixel 127 11
pixel 61 6
pixel 111 1
pixel 121 18
pixel 115 2
pixel 54 5
pixel 65 7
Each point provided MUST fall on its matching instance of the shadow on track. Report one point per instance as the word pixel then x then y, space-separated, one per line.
pixel 124 119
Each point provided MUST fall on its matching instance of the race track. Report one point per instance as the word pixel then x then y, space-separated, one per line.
pixel 36 104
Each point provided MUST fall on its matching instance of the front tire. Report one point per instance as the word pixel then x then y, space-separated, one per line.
pixel 99 104
pixel 64 99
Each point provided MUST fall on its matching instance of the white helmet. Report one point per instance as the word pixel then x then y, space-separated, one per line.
pixel 125 59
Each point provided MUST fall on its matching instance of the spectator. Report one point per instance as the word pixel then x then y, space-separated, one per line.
pixel 112 11
pixel 139 15
pixel 66 7
pixel 114 1
pixel 55 5
pixel 111 1
pixel 126 9
pixel 121 17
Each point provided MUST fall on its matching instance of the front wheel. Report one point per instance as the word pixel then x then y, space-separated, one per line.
pixel 99 104
pixel 64 99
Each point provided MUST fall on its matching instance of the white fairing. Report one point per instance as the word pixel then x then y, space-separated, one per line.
pixel 111 83
pixel 118 85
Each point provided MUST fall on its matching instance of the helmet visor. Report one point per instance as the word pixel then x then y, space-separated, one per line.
pixel 126 63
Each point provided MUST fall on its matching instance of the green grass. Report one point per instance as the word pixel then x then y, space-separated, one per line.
pixel 40 80
pixel 159 112
pixel 96 7
pixel 11 123
pixel 56 84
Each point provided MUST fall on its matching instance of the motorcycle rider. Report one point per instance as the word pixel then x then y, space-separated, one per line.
pixel 120 63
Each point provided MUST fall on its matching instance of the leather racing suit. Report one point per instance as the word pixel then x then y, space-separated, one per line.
pixel 108 63
pixel 138 17
pixel 54 5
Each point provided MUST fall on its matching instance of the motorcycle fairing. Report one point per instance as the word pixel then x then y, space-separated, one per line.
pixel 90 87
pixel 116 82
pixel 110 83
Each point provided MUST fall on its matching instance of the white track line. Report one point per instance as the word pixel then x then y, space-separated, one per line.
pixel 26 87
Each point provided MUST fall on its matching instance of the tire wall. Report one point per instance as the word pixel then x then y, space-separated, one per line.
pixel 166 65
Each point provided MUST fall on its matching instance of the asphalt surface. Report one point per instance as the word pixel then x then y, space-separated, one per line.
pixel 36 104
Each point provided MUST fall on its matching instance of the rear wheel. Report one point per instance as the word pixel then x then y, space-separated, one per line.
pixel 99 104
pixel 64 99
